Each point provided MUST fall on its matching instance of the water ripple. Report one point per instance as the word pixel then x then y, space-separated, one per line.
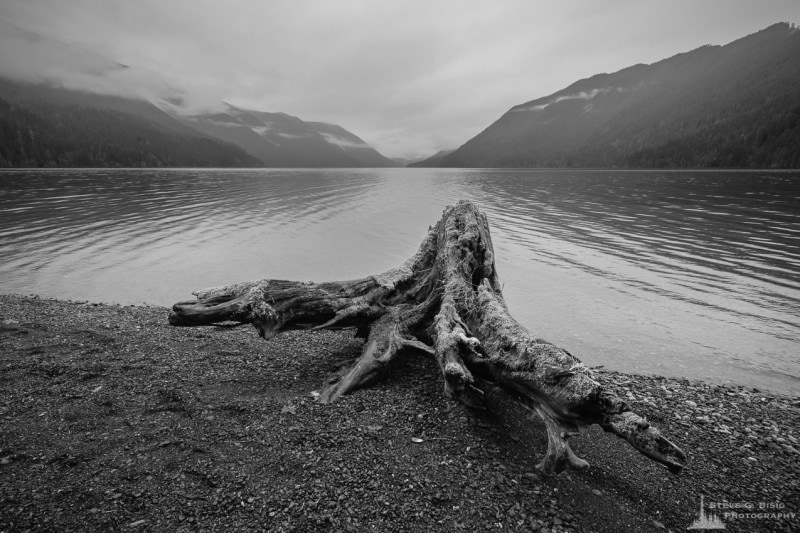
pixel 681 273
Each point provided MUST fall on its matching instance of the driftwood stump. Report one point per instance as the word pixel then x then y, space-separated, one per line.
pixel 446 301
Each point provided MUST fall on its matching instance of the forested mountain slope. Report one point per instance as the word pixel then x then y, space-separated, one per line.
pixel 44 126
pixel 282 140
pixel 729 106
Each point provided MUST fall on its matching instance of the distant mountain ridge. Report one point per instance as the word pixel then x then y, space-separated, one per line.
pixel 736 105
pixel 433 160
pixel 43 126
pixel 731 106
pixel 281 140
pixel 48 126
pixel 57 109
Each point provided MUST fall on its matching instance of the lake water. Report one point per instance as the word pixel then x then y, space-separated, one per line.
pixel 693 274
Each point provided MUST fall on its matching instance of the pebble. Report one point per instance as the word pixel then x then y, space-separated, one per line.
pixel 342 487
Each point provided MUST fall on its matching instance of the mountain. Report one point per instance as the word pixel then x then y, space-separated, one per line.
pixel 352 145
pixel 62 105
pixel 728 106
pixel 281 140
pixel 46 126
pixel 404 161
pixel 433 161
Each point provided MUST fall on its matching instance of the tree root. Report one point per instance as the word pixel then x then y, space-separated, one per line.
pixel 446 300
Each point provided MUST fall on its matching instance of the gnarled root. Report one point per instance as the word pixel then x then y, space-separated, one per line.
pixel 559 454
pixel 647 439
pixel 388 338
pixel 446 300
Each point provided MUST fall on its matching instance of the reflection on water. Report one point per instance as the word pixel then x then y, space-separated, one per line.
pixel 680 273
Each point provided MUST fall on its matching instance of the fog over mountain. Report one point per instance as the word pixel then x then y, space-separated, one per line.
pixel 717 106
pixel 35 58
pixel 281 140
pixel 45 126
pixel 63 105
pixel 409 77
pixel 736 105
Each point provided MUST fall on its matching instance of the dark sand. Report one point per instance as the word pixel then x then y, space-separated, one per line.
pixel 110 419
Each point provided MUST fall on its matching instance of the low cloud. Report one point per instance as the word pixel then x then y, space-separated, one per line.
pixel 409 77
pixel 30 57
pixel 583 95
pixel 344 143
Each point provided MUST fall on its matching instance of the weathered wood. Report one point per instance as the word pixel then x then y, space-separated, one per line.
pixel 446 301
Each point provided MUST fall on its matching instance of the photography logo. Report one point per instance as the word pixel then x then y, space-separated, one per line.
pixel 707 520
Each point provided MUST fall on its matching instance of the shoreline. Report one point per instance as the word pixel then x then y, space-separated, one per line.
pixel 110 418
pixel 601 367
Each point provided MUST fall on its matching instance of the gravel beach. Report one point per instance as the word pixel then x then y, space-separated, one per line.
pixel 110 419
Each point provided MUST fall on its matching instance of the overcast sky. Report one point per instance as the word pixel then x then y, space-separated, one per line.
pixel 409 77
